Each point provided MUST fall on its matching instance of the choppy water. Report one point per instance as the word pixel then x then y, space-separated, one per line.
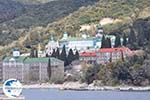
pixel 54 94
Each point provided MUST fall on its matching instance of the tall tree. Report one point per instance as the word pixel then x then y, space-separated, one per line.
pixel 63 56
pixel 49 68
pixel 53 53
pixel 124 40
pixel 103 42
pixel 57 53
pixel 71 56
pixel 34 53
pixel 47 55
pixel 117 41
pixel 107 43
pixel 77 55
pixel 132 37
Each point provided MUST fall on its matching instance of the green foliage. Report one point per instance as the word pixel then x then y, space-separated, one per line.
pixel 90 74
pixel 103 42
pixel 117 41
pixel 57 53
pixel 133 71
pixel 63 56
pixel 106 42
pixel 124 40
pixel 77 55
pixel 49 68
pixel 70 56
pixel 132 37
pixel 53 53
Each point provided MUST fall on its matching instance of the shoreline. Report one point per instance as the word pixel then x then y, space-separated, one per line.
pixel 76 86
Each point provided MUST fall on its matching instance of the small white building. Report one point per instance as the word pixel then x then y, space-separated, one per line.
pixel 52 44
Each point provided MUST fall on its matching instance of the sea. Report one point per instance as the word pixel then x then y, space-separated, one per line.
pixel 56 94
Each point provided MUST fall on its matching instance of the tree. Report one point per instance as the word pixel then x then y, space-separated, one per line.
pixel 57 53
pixel 117 41
pixel 34 53
pixel 71 56
pixel 124 40
pixel 53 53
pixel 49 68
pixel 77 55
pixel 63 56
pixel 107 43
pixel 103 42
pixel 132 37
pixel 47 55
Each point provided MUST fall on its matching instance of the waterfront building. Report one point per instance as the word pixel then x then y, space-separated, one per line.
pixel 28 69
pixel 38 69
pixel 13 67
pixel 105 55
pixel 88 57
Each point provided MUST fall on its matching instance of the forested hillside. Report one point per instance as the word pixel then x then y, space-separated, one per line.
pixel 16 17
pixel 34 23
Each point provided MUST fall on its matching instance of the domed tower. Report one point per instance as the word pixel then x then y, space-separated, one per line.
pixel 52 44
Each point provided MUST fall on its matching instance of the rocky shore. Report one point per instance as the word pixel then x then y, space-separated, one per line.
pixel 76 86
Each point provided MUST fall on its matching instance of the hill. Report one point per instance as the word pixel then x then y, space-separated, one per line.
pixel 68 15
pixel 16 16
pixel 10 9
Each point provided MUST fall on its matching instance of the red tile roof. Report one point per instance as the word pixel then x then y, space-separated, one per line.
pixel 114 49
pixel 88 54
pixel 105 50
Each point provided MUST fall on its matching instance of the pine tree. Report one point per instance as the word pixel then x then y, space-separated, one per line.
pixel 117 41
pixel 124 40
pixel 32 52
pixel 71 56
pixel 109 40
pixel 77 55
pixel 107 43
pixel 49 68
pixel 57 53
pixel 63 56
pixel 132 37
pixel 53 53
pixel 103 42
pixel 47 55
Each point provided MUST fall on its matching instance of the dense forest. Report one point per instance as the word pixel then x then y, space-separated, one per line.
pixel 16 17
